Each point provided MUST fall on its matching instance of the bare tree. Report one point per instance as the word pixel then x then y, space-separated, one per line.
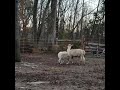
pixel 24 15
pixel 35 22
pixel 40 20
pixel 41 30
pixel 78 22
pixel 52 23
pixel 53 20
pixel 58 19
pixel 81 32
pixel 93 30
pixel 74 19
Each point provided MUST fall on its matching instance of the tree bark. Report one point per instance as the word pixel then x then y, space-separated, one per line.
pixel 93 30
pixel 17 37
pixel 52 24
pixel 74 20
pixel 81 25
pixel 40 20
pixel 35 22
pixel 41 29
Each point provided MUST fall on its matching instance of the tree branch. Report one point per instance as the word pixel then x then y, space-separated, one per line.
pixel 83 17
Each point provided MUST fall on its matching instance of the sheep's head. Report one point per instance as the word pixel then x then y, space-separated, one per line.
pixel 70 45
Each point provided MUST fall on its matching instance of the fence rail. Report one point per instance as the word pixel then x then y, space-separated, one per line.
pixel 27 45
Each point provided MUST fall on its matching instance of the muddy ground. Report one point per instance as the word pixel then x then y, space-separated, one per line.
pixel 42 72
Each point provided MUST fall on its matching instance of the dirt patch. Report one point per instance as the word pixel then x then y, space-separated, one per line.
pixel 45 68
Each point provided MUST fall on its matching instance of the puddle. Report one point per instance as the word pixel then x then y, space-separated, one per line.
pixel 22 87
pixel 29 65
pixel 38 82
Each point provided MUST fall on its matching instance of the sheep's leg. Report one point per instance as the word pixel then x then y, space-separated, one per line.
pixel 83 59
pixel 80 58
pixel 60 61
pixel 69 60
pixel 72 59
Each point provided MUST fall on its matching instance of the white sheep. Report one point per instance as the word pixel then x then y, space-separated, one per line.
pixel 76 53
pixel 63 55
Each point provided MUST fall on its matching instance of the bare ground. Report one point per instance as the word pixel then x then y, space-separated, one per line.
pixel 42 72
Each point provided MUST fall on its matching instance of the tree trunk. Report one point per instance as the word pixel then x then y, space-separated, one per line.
pixel 24 30
pixel 17 37
pixel 35 22
pixel 41 29
pixel 81 31
pixel 61 28
pixel 74 20
pixel 40 20
pixel 93 31
pixel 57 20
pixel 52 24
